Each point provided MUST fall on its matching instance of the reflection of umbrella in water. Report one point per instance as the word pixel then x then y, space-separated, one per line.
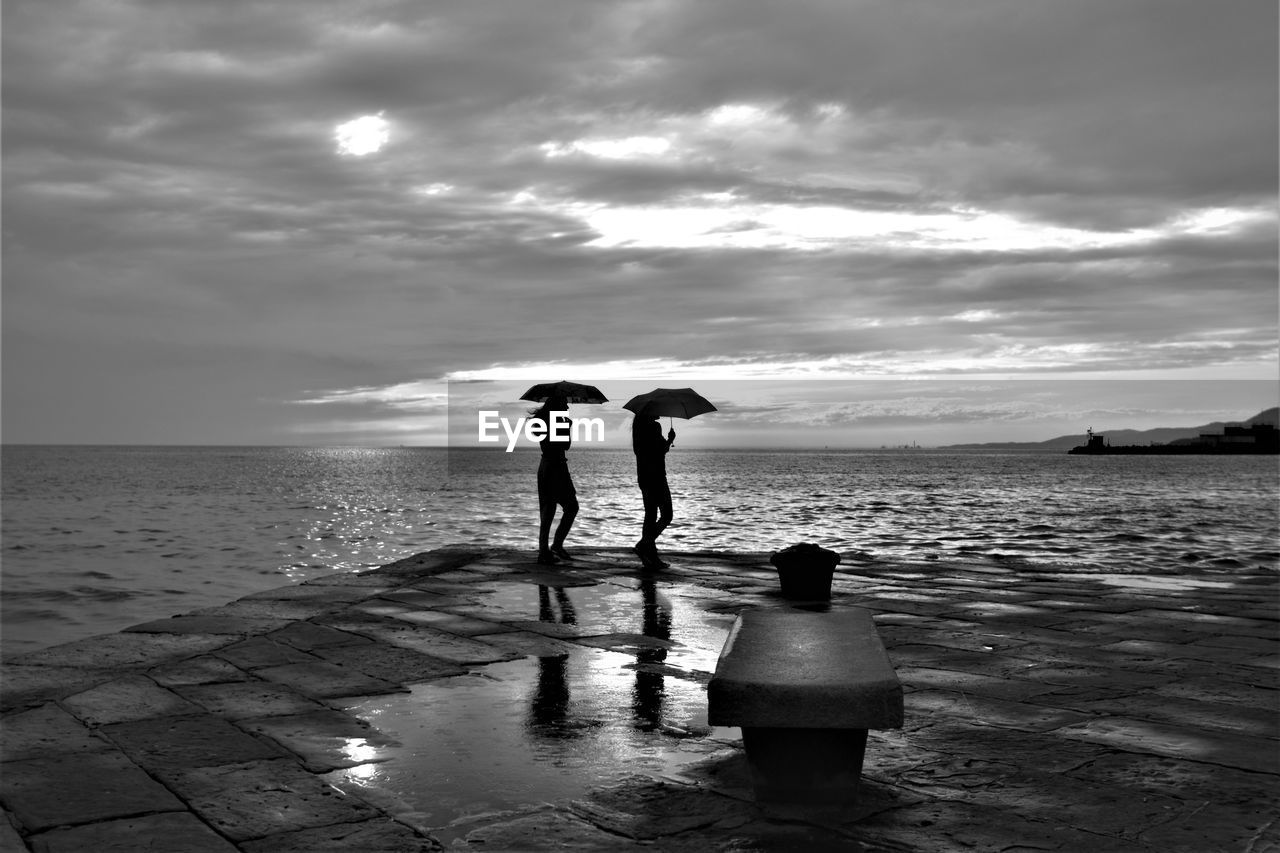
pixel 670 403
pixel 573 392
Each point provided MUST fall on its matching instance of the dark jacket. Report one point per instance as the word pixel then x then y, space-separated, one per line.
pixel 651 448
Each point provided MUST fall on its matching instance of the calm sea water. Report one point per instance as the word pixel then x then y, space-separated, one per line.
pixel 98 538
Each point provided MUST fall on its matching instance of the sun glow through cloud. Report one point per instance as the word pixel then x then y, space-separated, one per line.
pixel 362 136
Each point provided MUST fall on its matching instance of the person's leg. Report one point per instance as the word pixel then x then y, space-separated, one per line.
pixel 567 497
pixel 546 513
pixel 644 548
pixel 661 497
pixel 648 527
pixel 662 509
pixel 569 507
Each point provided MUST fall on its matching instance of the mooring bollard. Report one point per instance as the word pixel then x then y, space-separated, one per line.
pixel 805 571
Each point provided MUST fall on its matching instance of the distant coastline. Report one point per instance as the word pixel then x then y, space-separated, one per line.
pixel 1161 437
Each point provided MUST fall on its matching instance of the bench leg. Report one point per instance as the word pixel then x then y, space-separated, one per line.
pixel 805 765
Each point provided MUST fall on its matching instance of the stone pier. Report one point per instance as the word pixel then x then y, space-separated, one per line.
pixel 1042 711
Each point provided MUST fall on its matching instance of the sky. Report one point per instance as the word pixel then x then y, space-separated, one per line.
pixel 306 221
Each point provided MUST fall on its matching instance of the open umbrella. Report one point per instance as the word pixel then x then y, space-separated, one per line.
pixel 573 392
pixel 670 403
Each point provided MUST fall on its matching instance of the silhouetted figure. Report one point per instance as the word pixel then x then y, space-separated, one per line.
pixel 555 486
pixel 650 686
pixel 651 474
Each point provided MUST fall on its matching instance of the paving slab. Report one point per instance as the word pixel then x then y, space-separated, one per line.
pixel 924 678
pixel 545 831
pixel 987 711
pixel 176 832
pixel 171 743
pixel 1192 781
pixel 271 609
pixel 134 697
pixel 335 595
pixel 368 578
pixel 390 663
pixel 76 788
pixel 29 686
pixel 956 827
pixel 529 643
pixel 428 641
pixel 122 651
pixel 420 598
pixel 245 699
pixel 1045 751
pixel 1209 826
pixel 203 669
pixel 370 836
pixel 261 652
pixel 644 809
pixel 10 840
pixel 1237 642
pixel 237 625
pixel 1187 742
pixel 1220 686
pixel 323 740
pixel 46 730
pixel 323 680
pixel 453 623
pixel 308 636
pixel 1192 713
pixel 260 798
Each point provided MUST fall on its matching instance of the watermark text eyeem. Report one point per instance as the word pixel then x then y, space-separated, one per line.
pixel 563 428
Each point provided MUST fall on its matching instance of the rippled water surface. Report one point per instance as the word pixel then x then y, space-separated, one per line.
pixel 99 538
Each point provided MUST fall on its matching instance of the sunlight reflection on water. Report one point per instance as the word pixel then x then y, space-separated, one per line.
pixel 99 538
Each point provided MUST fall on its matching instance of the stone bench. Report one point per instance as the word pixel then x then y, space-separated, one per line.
pixel 805 687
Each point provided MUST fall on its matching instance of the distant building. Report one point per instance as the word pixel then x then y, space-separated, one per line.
pixel 1257 435
pixel 1251 438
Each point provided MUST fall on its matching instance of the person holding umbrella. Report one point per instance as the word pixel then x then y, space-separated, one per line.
pixel 651 458
pixel 651 475
pixel 555 485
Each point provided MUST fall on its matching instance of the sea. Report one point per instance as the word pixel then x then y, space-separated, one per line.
pixel 95 539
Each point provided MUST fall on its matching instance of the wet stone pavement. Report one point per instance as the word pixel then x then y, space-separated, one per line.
pixel 471 699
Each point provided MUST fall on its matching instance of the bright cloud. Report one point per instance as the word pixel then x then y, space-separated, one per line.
pixel 362 136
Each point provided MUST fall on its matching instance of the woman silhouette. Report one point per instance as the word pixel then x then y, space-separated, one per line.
pixel 651 474
pixel 555 486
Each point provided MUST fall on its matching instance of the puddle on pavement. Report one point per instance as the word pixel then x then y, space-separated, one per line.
pixel 514 735
pixel 1154 582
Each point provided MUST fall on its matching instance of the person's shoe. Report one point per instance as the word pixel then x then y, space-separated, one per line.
pixel 559 551
pixel 648 555
pixel 546 558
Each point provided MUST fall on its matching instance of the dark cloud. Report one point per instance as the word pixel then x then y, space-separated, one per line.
pixel 564 179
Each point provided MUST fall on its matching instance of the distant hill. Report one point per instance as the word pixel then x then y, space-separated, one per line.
pixel 1117 437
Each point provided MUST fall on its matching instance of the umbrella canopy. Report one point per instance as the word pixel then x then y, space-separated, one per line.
pixel 573 392
pixel 670 403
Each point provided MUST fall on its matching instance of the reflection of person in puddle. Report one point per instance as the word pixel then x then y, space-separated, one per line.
pixel 546 613
pixel 649 689
pixel 549 707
